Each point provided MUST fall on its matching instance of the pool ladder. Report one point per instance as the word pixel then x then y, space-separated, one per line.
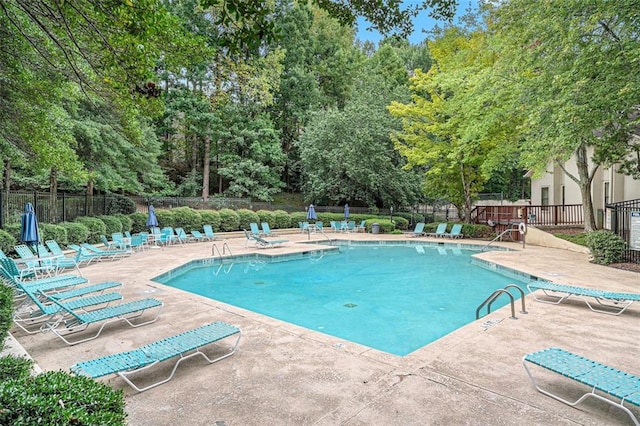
pixel 215 248
pixel 489 300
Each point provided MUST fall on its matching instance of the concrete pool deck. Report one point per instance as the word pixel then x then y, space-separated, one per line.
pixel 283 374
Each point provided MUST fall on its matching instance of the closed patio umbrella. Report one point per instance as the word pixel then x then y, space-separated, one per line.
pixel 29 227
pixel 311 213
pixel 346 211
pixel 152 220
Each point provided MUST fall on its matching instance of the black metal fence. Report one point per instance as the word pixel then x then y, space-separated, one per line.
pixel 623 218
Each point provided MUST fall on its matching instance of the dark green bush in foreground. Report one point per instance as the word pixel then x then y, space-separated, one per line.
pixel 606 247
pixel 58 398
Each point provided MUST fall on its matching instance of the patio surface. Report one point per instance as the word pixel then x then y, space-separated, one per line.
pixel 283 374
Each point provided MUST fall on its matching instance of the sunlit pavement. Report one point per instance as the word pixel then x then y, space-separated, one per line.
pixel 283 374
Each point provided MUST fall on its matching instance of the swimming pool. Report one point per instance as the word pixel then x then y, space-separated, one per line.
pixel 394 298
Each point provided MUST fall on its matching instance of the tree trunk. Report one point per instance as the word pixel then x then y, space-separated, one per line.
pixel 53 196
pixel 206 163
pixel 584 181
pixel 6 186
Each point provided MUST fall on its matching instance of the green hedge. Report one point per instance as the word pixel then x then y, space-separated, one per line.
pixel 229 220
pixel 187 218
pixel 6 312
pixel 165 218
pixel 112 224
pixel 96 228
pixel 245 217
pixel 77 233
pixel 210 217
pixel 138 222
pixel 7 241
pixel 606 247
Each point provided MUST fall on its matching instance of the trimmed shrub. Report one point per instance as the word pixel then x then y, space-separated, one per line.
pixel 282 220
pixel 138 222
pixel 112 224
pixel 386 226
pixel 187 218
pixel 606 247
pixel 165 218
pixel 400 222
pixel 229 220
pixel 53 232
pixel 125 221
pixel 267 216
pixel 58 398
pixel 119 204
pixel 96 228
pixel 245 217
pixel 6 312
pixel 7 241
pixel 210 217
pixel 13 229
pixel 77 233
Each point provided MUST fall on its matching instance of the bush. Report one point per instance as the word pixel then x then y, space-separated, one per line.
pixel 112 224
pixel 77 233
pixel 267 216
pixel 58 398
pixel 245 217
pixel 606 247
pixel 229 220
pixel 13 229
pixel 282 219
pixel 53 232
pixel 7 241
pixel 15 368
pixel 165 218
pixel 6 312
pixel 119 204
pixel 96 228
pixel 210 217
pixel 187 218
pixel 138 222
pixel 125 221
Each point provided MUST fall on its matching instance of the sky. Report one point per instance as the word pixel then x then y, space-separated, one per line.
pixel 420 22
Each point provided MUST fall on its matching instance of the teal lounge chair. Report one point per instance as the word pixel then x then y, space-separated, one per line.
pixel 11 276
pixel 35 263
pixel 612 303
pixel 418 231
pixel 69 321
pixel 455 232
pixel 266 230
pixel 182 236
pixel 605 383
pixel 261 242
pixel 35 310
pixel 197 236
pixel 255 231
pixel 182 346
pixel 83 255
pixel 107 254
pixel 441 230
pixel 362 227
pixel 208 232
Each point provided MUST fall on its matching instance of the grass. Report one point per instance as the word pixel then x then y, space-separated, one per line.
pixel 580 239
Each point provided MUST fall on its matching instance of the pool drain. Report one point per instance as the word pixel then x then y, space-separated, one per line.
pixel 350 305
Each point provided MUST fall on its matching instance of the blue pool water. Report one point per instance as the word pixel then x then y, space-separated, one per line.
pixel 392 298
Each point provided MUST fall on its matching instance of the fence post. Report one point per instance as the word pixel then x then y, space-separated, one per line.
pixel 1 209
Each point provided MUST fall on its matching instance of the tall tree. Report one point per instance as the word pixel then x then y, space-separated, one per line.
pixel 574 65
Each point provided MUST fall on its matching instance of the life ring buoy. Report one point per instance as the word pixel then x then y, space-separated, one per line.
pixel 522 227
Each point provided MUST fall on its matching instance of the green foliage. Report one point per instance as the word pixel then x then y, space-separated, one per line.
pixel 112 224
pixel 400 222
pixel 606 247
pixel 6 312
pixel 245 217
pixel 138 222
pixel 95 226
pixel 210 217
pixel 51 231
pixel 580 239
pixel 77 233
pixel 58 398
pixel 187 218
pixel 14 368
pixel 13 229
pixel 386 226
pixel 267 216
pixel 229 220
pixel 7 241
pixel 165 218
pixel 125 221
pixel 120 204
pixel 282 220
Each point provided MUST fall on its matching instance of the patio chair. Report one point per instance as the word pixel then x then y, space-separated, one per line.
pixel 613 303
pixel 362 227
pixel 83 255
pixel 120 241
pixel 33 262
pixel 108 254
pixel 418 231
pixel 262 243
pixel 604 382
pixel 441 230
pixel 11 275
pixel 266 230
pixel 208 232
pixel 35 310
pixel 182 346
pixel 60 262
pixel 334 225
pixel 110 245
pixel 182 236
pixel 303 226
pixel 197 236
pixel 455 232
pixel 255 231
pixel 69 321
